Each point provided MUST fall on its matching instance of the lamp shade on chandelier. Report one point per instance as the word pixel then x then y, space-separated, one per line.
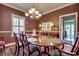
pixel 33 13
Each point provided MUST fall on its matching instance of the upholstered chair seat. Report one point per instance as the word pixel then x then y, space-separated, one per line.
pixel 2 43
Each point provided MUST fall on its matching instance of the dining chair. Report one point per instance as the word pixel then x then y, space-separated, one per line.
pixel 28 48
pixel 17 44
pixel 69 49
pixel 2 43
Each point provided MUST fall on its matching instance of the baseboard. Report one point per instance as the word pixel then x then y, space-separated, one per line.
pixel 9 44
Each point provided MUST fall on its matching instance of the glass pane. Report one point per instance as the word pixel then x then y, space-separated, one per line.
pixel 69 28
pixel 15 29
pixel 15 21
pixel 22 22
pixel 72 30
pixel 67 33
pixel 22 29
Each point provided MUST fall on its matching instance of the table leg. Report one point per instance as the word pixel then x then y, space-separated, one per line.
pixel 46 51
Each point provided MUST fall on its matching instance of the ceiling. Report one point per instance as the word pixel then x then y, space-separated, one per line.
pixel 42 7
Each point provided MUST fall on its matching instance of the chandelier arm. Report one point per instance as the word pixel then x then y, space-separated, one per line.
pixel 33 13
pixel 33 5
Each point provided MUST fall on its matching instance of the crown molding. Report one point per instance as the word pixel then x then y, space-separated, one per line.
pixel 43 13
pixel 13 7
pixel 58 8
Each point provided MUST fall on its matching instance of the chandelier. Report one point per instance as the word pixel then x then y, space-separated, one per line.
pixel 33 13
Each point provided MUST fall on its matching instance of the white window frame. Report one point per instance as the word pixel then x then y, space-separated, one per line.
pixel 18 16
pixel 61 23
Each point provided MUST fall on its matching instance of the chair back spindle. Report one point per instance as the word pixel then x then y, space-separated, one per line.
pixel 75 46
pixel 25 44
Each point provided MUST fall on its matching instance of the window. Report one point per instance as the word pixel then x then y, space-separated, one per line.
pixel 18 24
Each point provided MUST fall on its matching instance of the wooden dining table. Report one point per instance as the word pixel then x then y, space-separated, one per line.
pixel 46 42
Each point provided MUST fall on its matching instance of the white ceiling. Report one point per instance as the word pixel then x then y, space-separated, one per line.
pixel 42 7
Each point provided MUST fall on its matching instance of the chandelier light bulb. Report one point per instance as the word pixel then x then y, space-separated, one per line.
pixel 30 11
pixel 31 16
pixel 33 9
pixel 27 14
pixel 33 13
pixel 39 15
pixel 37 12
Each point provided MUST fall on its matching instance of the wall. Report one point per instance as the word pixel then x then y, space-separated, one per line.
pixel 31 24
pixel 54 16
pixel 6 22
pixel 5 19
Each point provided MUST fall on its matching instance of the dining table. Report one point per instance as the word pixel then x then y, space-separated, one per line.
pixel 45 41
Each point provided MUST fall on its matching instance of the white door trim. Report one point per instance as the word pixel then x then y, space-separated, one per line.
pixel 61 19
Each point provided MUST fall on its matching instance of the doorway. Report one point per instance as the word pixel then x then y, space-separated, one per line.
pixel 68 27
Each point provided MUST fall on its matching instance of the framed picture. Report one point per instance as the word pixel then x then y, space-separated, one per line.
pixel 46 26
